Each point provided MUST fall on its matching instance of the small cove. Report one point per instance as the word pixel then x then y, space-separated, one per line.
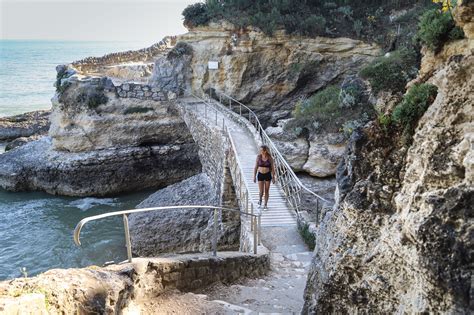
pixel 36 231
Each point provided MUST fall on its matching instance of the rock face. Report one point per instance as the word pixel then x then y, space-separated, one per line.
pixel 89 114
pixel 37 166
pixel 316 154
pixel 271 73
pixel 400 239
pixel 182 230
pixel 24 125
pixel 18 142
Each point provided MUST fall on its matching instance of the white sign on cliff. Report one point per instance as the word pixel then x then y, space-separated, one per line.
pixel 213 65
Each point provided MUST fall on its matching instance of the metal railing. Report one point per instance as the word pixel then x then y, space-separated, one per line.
pixel 255 221
pixel 286 177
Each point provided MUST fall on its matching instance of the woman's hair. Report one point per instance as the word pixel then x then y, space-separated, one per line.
pixel 265 149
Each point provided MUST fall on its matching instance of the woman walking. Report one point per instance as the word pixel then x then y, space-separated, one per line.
pixel 264 172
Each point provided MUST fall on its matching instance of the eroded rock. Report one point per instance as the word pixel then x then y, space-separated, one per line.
pixel 187 230
pixel 37 166
pixel 317 154
pixel 400 238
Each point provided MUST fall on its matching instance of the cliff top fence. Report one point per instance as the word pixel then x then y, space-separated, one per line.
pixel 94 64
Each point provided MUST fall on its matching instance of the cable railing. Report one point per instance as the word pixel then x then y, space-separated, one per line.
pixel 255 224
pixel 289 182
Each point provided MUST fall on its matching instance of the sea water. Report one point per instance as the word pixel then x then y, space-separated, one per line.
pixel 36 229
pixel 28 69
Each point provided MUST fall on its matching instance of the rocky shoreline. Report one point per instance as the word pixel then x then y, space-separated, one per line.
pixel 37 166
pixel 20 129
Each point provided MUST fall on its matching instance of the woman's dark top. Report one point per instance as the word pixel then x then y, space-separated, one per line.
pixel 262 163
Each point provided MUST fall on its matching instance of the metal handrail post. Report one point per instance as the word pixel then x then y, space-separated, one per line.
pixel 128 243
pixel 214 240
pixel 251 219
pixel 259 229
pixel 246 201
pixel 255 233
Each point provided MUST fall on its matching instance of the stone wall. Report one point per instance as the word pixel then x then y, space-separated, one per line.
pixel 143 92
pixel 213 146
pixel 126 287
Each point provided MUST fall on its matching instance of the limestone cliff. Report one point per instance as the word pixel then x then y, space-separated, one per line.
pixel 400 238
pixel 271 73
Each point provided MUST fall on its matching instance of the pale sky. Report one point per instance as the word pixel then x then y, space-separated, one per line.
pixel 146 21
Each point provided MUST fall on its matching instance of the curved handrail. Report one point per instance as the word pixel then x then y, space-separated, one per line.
pixel 77 230
pixel 274 149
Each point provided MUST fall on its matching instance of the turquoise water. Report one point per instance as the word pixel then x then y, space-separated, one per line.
pixel 36 228
pixel 28 69
pixel 36 231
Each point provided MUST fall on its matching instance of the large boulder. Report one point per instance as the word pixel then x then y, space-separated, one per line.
pixel 317 154
pixel 88 114
pixel 187 230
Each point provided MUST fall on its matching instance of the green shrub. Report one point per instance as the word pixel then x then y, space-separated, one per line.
pixel 456 33
pixel 352 93
pixel 436 27
pixel 349 126
pixel 392 72
pixel 313 25
pixel 137 110
pixel 196 14
pixel 413 106
pixel 307 236
pixel 179 50
pixel 384 121
pixel 323 104
pixel 319 111
pixel 358 26
pixel 346 11
pixel 61 87
pixel 95 99
pixel 92 98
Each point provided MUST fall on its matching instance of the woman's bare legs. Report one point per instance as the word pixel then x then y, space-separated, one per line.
pixel 267 190
pixel 261 187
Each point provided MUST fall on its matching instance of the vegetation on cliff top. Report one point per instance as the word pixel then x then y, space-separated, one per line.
pixel 437 27
pixel 388 22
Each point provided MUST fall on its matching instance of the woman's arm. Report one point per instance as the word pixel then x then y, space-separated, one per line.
pixel 255 170
pixel 273 171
